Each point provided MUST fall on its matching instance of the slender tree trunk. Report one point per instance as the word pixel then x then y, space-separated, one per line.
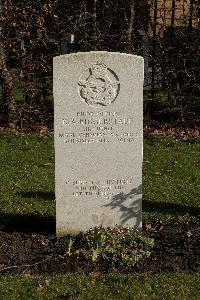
pixel 190 18
pixel 7 83
pixel 173 20
pixel 95 24
pixel 91 8
pixel 131 23
pixel 155 7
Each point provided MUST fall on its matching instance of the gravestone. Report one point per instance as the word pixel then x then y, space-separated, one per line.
pixel 98 132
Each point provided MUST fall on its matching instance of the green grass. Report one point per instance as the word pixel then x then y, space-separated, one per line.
pixel 171 179
pixel 171 189
pixel 27 179
pixel 19 94
pixel 27 169
pixel 116 287
pixel 17 91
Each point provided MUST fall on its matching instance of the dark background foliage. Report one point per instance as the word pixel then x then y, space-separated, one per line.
pixel 165 32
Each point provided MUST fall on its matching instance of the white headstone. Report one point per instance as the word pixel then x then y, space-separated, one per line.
pixel 98 132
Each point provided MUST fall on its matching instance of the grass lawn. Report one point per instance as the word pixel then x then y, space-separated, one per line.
pixel 27 180
pixel 171 189
pixel 116 287
pixel 171 179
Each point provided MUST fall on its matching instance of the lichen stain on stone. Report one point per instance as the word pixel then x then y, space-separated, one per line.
pixel 95 219
pixel 102 220
pixel 67 231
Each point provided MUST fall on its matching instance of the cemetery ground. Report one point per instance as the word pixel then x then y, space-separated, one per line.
pixel 34 264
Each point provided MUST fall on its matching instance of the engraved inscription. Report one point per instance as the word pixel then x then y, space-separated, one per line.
pixel 101 87
pixel 98 127
pixel 106 188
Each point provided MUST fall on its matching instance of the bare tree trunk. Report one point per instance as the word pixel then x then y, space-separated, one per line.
pixel 91 8
pixel 95 24
pixel 7 83
pixel 173 20
pixel 155 7
pixel 131 23
pixel 190 18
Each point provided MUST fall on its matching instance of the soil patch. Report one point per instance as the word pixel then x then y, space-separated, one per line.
pixel 176 249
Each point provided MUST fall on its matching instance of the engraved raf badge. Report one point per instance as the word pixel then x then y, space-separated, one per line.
pixel 101 87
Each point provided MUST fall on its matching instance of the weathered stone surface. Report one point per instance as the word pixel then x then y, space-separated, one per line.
pixel 98 127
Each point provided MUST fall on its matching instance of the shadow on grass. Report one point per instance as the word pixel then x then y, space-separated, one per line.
pixel 28 223
pixel 33 223
pixel 170 208
pixel 37 194
pixel 129 206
